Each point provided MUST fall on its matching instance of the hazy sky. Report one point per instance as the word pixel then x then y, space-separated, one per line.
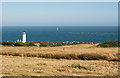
pixel 60 14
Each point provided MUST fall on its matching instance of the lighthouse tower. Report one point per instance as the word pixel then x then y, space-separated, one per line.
pixel 24 37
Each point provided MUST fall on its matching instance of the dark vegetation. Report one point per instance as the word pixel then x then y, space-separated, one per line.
pixel 41 64
pixel 109 44
pixel 53 44
pixel 9 43
pixel 42 44
pixel 78 66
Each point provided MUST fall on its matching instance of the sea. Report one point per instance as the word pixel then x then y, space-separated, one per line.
pixel 97 34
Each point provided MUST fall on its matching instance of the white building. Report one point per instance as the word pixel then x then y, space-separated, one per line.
pixel 37 44
pixel 24 37
pixel 18 40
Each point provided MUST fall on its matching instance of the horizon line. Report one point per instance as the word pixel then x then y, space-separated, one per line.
pixel 60 0
pixel 59 26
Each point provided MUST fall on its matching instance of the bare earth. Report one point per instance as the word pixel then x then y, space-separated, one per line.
pixel 33 66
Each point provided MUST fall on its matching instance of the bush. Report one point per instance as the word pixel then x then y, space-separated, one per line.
pixel 7 42
pixel 41 64
pixel 109 44
pixel 78 66
pixel 31 44
pixel 44 44
pixel 19 44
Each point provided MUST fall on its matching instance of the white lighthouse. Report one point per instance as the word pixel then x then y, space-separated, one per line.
pixel 24 37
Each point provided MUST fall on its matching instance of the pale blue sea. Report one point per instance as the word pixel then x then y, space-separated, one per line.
pixel 61 33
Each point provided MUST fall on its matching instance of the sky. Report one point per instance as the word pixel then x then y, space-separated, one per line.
pixel 59 13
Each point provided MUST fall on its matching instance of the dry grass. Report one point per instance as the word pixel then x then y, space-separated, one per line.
pixel 30 65
pixel 82 51
pixel 33 66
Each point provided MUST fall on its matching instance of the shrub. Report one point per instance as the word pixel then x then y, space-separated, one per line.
pixel 78 66
pixel 19 44
pixel 41 64
pixel 31 44
pixel 109 44
pixel 44 44
pixel 7 42
pixel 26 44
